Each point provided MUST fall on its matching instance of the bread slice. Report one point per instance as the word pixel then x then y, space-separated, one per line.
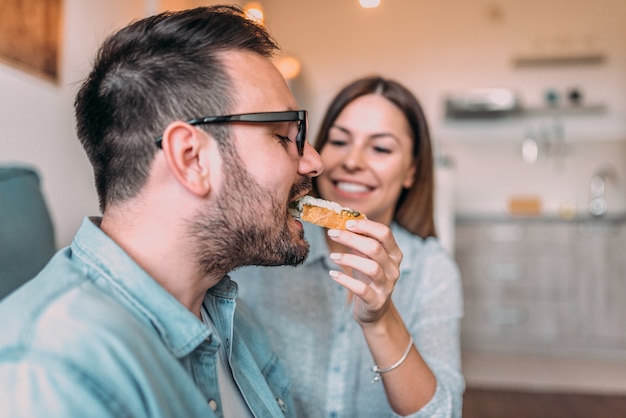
pixel 323 212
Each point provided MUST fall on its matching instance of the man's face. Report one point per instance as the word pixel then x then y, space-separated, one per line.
pixel 249 225
pixel 249 218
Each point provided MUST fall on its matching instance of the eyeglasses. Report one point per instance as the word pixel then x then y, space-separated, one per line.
pixel 300 116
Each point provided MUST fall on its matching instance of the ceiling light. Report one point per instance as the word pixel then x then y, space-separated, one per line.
pixel 254 11
pixel 369 4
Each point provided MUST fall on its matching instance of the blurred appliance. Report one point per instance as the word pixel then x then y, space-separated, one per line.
pixel 482 103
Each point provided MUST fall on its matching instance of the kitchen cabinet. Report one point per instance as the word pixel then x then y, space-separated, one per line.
pixel 602 281
pixel 543 286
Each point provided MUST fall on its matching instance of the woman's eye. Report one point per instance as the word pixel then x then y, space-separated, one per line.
pixel 337 142
pixel 382 150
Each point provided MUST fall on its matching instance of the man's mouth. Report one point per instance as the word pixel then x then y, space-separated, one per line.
pixel 298 191
pixel 295 209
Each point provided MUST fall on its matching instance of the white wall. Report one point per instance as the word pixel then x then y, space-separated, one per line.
pixel 448 45
pixel 37 115
pixel 432 46
pixel 489 174
pixel 437 47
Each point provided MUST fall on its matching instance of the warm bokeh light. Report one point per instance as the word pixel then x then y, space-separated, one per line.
pixel 254 11
pixel 289 67
pixel 530 150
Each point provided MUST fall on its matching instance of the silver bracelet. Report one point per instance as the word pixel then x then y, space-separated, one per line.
pixel 377 371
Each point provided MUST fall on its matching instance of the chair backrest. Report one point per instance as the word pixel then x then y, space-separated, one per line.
pixel 26 232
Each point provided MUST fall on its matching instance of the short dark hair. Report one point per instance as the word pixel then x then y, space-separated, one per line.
pixel 415 207
pixel 157 70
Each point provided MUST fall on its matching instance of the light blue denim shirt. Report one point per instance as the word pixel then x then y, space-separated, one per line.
pixel 308 318
pixel 94 336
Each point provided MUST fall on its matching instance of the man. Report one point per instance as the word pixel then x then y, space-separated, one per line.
pixel 137 317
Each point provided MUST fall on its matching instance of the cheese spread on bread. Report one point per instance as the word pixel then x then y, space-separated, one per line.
pixel 323 212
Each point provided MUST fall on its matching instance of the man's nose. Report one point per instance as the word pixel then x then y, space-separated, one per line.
pixel 310 164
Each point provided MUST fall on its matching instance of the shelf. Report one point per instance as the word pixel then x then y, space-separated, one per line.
pixel 505 217
pixel 520 112
pixel 587 123
pixel 590 109
pixel 559 60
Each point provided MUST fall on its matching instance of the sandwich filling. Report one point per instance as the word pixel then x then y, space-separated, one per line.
pixel 296 207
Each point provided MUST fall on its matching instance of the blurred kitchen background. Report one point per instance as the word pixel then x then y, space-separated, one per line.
pixel 527 107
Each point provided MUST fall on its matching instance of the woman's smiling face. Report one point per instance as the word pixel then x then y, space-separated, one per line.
pixel 368 158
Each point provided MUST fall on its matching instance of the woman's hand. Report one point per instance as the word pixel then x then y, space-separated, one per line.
pixel 375 264
pixel 374 260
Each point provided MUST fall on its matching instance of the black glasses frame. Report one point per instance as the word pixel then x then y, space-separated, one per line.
pixel 300 116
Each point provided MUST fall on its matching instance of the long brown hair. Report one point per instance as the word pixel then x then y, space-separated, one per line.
pixel 415 207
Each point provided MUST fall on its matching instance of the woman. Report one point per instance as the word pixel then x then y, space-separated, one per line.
pixel 405 318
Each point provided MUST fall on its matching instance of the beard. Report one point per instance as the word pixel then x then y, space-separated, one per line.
pixel 247 225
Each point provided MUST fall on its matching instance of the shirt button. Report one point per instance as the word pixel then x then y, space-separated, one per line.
pixel 213 405
pixel 281 405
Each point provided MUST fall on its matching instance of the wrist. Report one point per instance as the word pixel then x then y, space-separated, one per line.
pixel 385 325
pixel 378 372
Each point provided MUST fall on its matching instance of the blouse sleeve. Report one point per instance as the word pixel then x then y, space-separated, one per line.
pixel 434 321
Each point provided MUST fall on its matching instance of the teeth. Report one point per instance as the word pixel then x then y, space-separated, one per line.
pixel 352 187
pixel 295 213
pixel 295 209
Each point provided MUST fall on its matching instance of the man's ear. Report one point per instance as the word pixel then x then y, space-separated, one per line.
pixel 186 151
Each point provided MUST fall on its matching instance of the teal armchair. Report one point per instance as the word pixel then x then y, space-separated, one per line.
pixel 27 238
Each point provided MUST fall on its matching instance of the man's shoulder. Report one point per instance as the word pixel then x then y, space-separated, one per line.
pixel 61 310
pixel 25 305
pixel 84 342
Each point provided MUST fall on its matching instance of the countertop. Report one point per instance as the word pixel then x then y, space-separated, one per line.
pixel 548 217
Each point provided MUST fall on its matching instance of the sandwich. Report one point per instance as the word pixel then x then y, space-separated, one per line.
pixel 323 212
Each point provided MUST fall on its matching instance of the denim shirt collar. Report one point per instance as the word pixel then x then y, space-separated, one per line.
pixel 180 330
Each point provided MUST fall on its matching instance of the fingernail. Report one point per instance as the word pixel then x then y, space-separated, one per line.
pixel 350 224
pixel 334 274
pixel 335 256
pixel 333 232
